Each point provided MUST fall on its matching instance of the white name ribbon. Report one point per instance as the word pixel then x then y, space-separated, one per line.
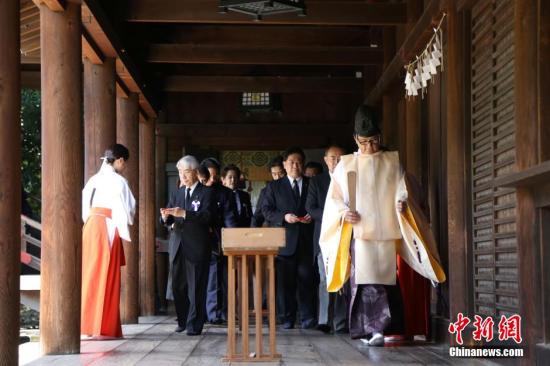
pixel 196 205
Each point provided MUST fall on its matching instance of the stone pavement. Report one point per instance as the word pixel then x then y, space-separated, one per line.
pixel 154 342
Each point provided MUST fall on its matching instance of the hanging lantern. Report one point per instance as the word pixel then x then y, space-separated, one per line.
pixel 260 8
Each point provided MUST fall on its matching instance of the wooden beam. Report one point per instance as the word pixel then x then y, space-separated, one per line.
pixel 121 88
pixel 265 143
pixel 322 71
pixel 30 60
pixel 10 181
pixel 29 13
pixel 222 54
pixel 229 130
pixel 30 79
pixel 258 35
pixel 275 84
pixel 415 41
pixel 90 49
pixel 53 5
pixel 526 178
pixel 31 27
pixel 318 13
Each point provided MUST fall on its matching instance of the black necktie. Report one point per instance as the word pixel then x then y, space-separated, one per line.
pixel 187 198
pixel 296 190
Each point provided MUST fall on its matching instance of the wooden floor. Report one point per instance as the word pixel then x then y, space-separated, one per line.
pixel 154 342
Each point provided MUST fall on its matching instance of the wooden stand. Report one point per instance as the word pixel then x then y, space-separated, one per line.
pixel 241 245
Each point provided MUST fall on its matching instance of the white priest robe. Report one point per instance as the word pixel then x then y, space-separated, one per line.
pixel 377 236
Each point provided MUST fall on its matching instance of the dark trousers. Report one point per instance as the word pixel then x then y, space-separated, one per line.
pixel 189 281
pixel 216 298
pixel 333 307
pixel 296 272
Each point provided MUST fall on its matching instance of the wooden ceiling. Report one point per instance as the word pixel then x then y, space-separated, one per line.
pixel 166 48
pixel 30 31
pixel 188 46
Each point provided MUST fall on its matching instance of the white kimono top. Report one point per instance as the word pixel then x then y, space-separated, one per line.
pixel 380 183
pixel 111 191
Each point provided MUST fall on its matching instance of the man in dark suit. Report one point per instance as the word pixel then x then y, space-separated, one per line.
pixel 313 169
pixel 332 307
pixel 284 206
pixel 230 178
pixel 190 246
pixel 277 171
pixel 225 216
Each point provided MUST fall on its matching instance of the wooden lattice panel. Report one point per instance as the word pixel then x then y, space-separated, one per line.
pixel 493 154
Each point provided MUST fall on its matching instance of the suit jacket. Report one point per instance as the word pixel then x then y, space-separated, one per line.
pixel 245 216
pixel 279 200
pixel 315 204
pixel 225 213
pixel 192 233
pixel 258 217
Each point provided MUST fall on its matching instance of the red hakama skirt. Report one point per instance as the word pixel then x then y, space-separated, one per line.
pixel 415 291
pixel 100 314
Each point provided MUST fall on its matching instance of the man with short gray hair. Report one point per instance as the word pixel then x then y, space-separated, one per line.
pixel 189 214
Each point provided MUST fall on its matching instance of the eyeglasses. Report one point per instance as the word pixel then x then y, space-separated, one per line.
pixel 372 141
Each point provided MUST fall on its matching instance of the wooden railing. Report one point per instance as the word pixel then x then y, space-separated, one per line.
pixel 27 239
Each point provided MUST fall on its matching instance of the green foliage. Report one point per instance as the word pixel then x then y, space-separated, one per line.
pixel 31 147
pixel 29 319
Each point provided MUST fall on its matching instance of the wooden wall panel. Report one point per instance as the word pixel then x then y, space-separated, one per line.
pixel 494 239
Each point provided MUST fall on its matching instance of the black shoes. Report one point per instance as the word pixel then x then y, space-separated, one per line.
pixel 288 325
pixel 324 328
pixel 309 324
pixel 179 329
pixel 342 331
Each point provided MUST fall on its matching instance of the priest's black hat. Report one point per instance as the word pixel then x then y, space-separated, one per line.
pixel 366 121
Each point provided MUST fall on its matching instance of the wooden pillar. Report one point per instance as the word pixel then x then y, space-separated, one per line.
pixel 544 80
pixel 99 112
pixel 527 120
pixel 162 260
pixel 413 122
pixel 10 181
pixel 62 173
pixel 147 216
pixel 389 102
pixel 456 165
pixel 127 134
pixel 160 178
pixel 414 141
